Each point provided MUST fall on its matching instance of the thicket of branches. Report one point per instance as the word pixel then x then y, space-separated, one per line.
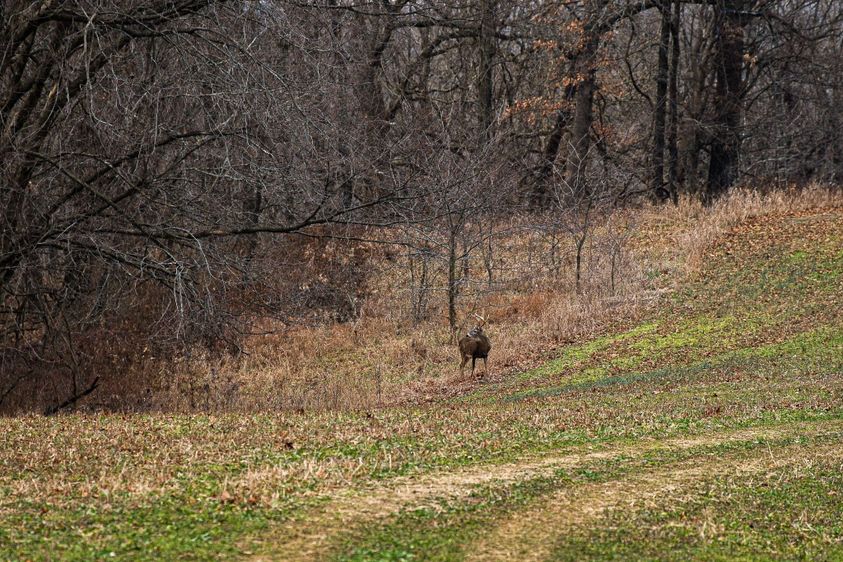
pixel 168 167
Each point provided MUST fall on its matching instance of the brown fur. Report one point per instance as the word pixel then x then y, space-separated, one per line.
pixel 475 345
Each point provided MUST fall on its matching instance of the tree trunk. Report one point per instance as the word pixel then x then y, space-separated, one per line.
pixel 453 287
pixel 583 116
pixel 690 142
pixel 252 209
pixel 725 144
pixel 672 95
pixel 659 193
pixel 485 83
pixel 540 193
pixel 578 271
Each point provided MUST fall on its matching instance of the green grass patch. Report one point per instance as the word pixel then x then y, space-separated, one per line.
pixel 445 529
pixel 575 355
pixel 164 528
pixel 754 340
pixel 782 515
pixel 801 354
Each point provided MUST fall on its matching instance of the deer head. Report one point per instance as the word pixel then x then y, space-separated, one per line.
pixel 478 328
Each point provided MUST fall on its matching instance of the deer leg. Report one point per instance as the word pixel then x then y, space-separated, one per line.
pixel 462 365
pixel 485 367
pixel 473 361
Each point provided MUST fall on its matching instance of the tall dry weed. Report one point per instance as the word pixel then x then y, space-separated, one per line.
pixel 705 225
pixel 384 356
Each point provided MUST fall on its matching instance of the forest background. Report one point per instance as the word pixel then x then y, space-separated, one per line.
pixel 251 205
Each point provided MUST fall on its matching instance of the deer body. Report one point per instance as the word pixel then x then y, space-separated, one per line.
pixel 475 345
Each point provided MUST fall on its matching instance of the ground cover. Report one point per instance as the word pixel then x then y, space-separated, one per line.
pixel 724 402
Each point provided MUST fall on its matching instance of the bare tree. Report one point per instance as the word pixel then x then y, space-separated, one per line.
pixel 142 143
pixel 170 169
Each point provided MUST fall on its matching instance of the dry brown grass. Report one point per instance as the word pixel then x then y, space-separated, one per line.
pixel 704 226
pixel 381 358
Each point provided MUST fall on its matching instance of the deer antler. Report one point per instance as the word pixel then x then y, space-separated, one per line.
pixel 482 320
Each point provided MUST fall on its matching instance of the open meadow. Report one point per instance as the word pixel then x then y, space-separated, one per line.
pixel 421 280
pixel 706 424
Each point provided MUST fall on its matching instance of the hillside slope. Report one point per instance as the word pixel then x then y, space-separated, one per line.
pixel 712 428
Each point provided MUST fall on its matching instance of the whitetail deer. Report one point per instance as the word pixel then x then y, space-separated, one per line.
pixel 475 345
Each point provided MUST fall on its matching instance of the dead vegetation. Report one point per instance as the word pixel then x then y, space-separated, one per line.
pixel 685 382
pixel 392 348
pixel 633 257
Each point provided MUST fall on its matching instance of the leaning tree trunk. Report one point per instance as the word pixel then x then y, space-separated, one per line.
pixel 540 196
pixel 725 145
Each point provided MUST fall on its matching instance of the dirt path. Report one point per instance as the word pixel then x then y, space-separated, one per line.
pixel 311 536
pixel 529 535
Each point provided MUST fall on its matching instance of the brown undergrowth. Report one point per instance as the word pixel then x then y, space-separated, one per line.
pixel 383 357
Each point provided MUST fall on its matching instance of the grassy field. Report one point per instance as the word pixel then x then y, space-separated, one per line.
pixel 711 429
